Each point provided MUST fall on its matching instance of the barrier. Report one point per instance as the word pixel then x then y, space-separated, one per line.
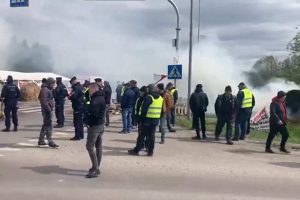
pixel 180 111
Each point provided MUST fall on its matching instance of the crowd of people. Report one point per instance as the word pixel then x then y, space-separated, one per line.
pixel 145 109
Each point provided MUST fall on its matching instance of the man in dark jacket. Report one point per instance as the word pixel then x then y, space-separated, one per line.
pixel 95 124
pixel 107 92
pixel 47 104
pixel 78 108
pixel 278 119
pixel 198 105
pixel 136 90
pixel 225 109
pixel 60 93
pixel 10 95
pixel 245 104
pixel 150 115
pixel 127 104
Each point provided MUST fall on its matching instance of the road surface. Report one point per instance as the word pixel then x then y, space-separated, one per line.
pixel 181 169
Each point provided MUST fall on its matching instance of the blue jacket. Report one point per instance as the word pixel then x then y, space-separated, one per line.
pixel 128 99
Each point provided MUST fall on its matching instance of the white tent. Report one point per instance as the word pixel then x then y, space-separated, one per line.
pixel 35 76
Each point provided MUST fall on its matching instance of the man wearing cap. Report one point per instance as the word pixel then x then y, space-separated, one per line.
pixel 127 104
pixel 278 119
pixel 78 108
pixel 174 97
pixel 10 95
pixel 60 93
pixel 47 104
pixel 198 106
pixel 245 104
pixel 225 109
pixel 99 82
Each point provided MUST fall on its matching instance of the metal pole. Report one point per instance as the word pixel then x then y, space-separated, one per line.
pixel 177 32
pixel 190 61
pixel 199 14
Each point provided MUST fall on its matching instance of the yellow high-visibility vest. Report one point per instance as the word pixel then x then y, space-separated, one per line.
pixel 154 110
pixel 122 91
pixel 247 101
pixel 172 92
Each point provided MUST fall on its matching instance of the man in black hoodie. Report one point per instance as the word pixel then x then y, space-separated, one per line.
pixel 225 109
pixel 47 104
pixel 107 92
pixel 10 95
pixel 95 124
pixel 60 93
pixel 150 115
pixel 198 105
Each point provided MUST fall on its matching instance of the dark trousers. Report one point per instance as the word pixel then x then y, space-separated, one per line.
pixel 173 116
pixel 140 141
pixel 199 115
pixel 107 114
pixel 221 121
pixel 78 124
pixel 94 145
pixel 46 127
pixel 10 110
pixel 134 119
pixel 241 124
pixel 59 112
pixel 274 129
pixel 249 124
pixel 149 131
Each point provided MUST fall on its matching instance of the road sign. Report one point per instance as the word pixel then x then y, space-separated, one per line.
pixel 175 72
pixel 19 3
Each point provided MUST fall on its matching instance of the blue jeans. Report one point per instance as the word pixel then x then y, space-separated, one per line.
pixel 241 124
pixel 126 118
pixel 162 126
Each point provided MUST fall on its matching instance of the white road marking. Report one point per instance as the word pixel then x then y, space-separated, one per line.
pixel 25 144
pixel 61 133
pixel 33 140
pixel 9 149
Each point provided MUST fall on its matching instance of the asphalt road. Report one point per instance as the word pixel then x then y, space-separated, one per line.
pixel 180 169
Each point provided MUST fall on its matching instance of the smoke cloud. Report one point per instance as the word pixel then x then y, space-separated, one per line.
pixel 24 57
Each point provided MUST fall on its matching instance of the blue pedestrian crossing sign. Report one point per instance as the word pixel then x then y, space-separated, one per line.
pixel 19 3
pixel 174 71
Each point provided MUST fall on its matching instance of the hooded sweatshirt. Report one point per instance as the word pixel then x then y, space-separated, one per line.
pixel 277 111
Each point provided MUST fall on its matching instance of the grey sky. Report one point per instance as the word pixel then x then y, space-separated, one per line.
pixel 125 40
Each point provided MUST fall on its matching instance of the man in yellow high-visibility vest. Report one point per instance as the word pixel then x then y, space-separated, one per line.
pixel 174 97
pixel 245 104
pixel 150 115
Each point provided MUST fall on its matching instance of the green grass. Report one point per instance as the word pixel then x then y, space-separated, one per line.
pixel 294 130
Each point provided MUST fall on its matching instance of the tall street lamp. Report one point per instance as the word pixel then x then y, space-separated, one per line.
pixel 190 60
pixel 176 41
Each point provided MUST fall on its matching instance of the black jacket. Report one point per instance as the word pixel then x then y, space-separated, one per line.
pixel 10 93
pixel 128 99
pixel 144 109
pixel 136 91
pixel 198 101
pixel 96 109
pixel 225 105
pixel 46 98
pixel 60 92
pixel 277 112
pixel 137 107
pixel 77 97
pixel 108 92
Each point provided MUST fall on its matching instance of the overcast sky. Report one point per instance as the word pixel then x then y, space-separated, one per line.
pixel 129 39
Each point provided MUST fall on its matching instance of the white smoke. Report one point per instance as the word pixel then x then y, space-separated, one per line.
pixel 215 68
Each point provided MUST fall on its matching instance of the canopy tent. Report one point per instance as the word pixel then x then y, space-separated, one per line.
pixel 34 76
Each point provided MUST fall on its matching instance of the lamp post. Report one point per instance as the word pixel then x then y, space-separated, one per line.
pixel 177 33
pixel 190 60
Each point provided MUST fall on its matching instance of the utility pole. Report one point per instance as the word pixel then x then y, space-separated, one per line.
pixel 190 61
pixel 199 15
pixel 177 33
